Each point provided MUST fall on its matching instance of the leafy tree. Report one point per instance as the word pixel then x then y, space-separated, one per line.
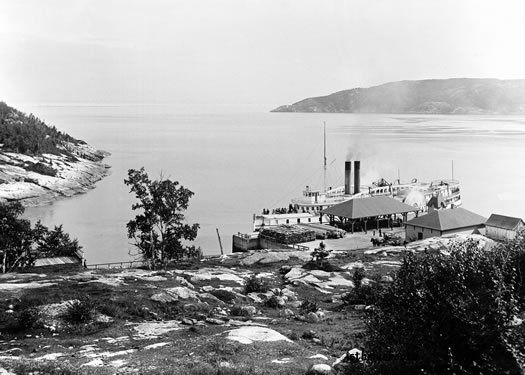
pixel 447 313
pixel 16 238
pixel 21 245
pixel 159 229
pixel 54 243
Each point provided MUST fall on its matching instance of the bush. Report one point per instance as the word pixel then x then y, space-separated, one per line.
pixel 25 315
pixel 41 168
pixel 29 318
pixel 309 306
pixel 447 313
pixel 256 285
pixel 358 276
pixel 273 302
pixel 238 310
pixel 80 311
pixel 363 295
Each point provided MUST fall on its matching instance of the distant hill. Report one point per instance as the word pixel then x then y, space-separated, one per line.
pixel 431 96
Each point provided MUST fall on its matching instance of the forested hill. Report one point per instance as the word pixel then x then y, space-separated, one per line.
pixel 440 96
pixel 26 134
pixel 39 164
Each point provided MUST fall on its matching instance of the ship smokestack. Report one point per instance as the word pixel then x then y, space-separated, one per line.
pixel 348 175
pixel 357 177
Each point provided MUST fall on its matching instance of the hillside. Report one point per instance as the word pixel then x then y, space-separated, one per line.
pixel 39 163
pixel 432 96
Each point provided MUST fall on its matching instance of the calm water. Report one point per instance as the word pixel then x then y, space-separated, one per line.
pixel 238 164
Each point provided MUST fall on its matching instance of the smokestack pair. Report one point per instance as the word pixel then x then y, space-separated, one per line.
pixel 348 175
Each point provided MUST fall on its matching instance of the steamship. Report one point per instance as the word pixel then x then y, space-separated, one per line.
pixel 306 209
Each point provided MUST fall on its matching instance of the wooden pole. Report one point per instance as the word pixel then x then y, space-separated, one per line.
pixel 220 242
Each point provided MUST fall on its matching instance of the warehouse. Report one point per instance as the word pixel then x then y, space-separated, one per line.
pixel 502 228
pixel 362 214
pixel 441 222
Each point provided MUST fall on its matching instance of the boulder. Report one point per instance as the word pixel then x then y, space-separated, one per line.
pixel 163 297
pixel 320 369
pixel 250 310
pixel 294 273
pixel 356 353
pixel 387 279
pixel 289 294
pixel 250 334
pixel 312 317
pixel 181 292
pixel 288 313
pixel 352 356
pixel 215 321
pixel 255 297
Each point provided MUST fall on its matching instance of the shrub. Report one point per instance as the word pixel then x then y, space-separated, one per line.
pixel 447 313
pixel 238 310
pixel 358 276
pixel 308 335
pixel 24 315
pixel 256 285
pixel 29 318
pixel 309 306
pixel 80 311
pixel 273 302
pixel 363 294
pixel 41 168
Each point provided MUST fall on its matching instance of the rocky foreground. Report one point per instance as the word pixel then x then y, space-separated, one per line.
pixel 198 318
pixel 73 174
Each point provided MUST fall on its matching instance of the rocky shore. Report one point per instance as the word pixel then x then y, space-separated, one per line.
pixel 56 175
pixel 261 312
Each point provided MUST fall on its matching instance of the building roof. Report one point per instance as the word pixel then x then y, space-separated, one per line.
pixel 369 207
pixel 55 261
pixel 450 219
pixel 503 222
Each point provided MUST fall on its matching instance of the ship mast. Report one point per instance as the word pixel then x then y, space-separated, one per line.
pixel 324 157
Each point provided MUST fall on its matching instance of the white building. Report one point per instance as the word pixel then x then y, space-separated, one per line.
pixel 499 227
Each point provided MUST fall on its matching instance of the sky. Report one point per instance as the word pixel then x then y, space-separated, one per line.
pixel 246 55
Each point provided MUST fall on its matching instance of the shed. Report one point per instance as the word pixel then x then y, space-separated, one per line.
pixel 369 212
pixel 440 222
pixel 500 227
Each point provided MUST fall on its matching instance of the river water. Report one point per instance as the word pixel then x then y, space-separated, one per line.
pixel 238 164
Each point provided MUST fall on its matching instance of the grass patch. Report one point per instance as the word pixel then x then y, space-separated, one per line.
pixel 80 311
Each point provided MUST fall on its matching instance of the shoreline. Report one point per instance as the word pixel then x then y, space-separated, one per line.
pixel 73 176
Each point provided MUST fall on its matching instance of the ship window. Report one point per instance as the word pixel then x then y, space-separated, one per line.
pixel 309 220
pixel 298 221
pixel 287 221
